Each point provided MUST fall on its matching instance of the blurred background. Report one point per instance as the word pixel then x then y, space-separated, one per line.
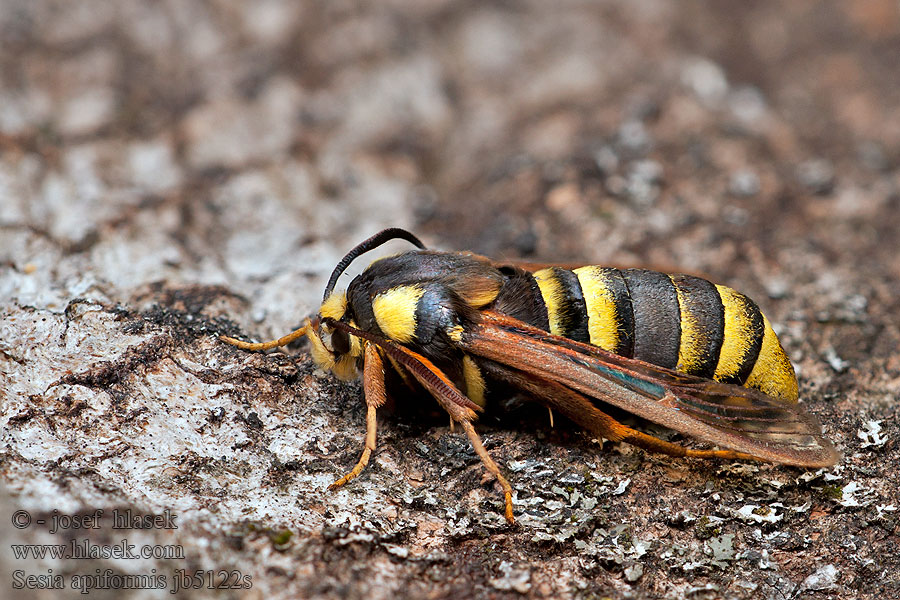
pixel 253 143
pixel 147 145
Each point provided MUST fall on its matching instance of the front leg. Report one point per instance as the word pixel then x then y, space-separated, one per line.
pixel 461 409
pixel 373 386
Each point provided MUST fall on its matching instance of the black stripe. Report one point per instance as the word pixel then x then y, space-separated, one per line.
pixel 657 317
pixel 757 332
pixel 520 298
pixel 701 300
pixel 615 283
pixel 540 307
pixel 574 317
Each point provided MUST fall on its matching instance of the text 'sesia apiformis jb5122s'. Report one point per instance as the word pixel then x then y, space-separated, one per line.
pixel 676 350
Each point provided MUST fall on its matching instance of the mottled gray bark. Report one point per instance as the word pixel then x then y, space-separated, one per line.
pixel 171 171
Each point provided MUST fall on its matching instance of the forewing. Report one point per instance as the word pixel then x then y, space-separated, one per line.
pixel 729 416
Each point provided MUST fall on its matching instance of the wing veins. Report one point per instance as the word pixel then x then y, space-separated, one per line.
pixel 653 393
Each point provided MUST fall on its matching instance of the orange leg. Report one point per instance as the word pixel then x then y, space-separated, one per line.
pixel 373 385
pixel 492 467
pixel 456 404
pixel 460 408
pixel 282 341
pixel 654 444
pixel 603 425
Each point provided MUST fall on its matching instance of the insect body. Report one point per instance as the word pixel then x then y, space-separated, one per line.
pixel 674 349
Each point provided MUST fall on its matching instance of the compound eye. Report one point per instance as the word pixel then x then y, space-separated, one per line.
pixel 340 341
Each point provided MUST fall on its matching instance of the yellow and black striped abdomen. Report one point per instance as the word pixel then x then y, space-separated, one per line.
pixel 676 321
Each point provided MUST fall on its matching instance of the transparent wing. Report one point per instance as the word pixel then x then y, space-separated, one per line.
pixel 730 416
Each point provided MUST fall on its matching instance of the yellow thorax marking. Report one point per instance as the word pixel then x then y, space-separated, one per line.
pixel 475 385
pixel 395 311
pixel 456 333
pixel 480 295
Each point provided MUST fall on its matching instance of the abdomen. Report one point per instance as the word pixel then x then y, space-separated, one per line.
pixel 676 321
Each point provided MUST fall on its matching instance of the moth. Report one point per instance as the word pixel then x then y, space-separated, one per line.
pixel 676 350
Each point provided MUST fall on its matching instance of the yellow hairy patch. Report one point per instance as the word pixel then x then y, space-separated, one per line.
pixel 690 352
pixel 456 333
pixel 603 321
pixel 552 291
pixel 395 311
pixel 320 354
pixel 738 333
pixel 773 372
pixel 345 368
pixel 481 295
pixel 474 381
pixel 334 306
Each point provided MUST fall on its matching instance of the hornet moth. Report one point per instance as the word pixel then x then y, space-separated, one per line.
pixel 677 350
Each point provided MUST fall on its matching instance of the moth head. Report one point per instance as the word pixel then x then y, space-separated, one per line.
pixel 333 349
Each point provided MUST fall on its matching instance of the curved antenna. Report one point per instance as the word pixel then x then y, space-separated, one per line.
pixel 385 235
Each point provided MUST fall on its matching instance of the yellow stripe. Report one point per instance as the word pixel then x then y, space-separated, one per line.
pixel 773 373
pixel 552 291
pixel 738 333
pixel 693 340
pixel 603 321
pixel 395 311
pixel 474 381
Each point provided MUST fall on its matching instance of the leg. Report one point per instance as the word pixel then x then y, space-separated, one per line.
pixel 654 444
pixel 456 404
pixel 373 385
pixel 492 467
pixel 598 422
pixel 282 341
